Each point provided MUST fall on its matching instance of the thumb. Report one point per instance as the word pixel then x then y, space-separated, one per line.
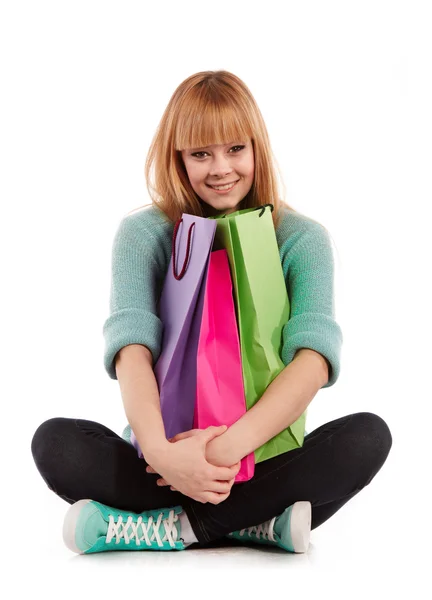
pixel 184 434
pixel 212 432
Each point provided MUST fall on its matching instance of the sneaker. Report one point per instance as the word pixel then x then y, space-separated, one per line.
pixel 290 530
pixel 90 526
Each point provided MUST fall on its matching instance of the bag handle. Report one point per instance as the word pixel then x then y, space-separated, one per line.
pixel 263 207
pixel 183 271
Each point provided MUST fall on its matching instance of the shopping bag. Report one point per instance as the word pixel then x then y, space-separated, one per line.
pixel 220 398
pixel 262 307
pixel 180 310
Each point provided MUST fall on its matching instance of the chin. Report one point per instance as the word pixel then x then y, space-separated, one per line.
pixel 225 203
pixel 223 206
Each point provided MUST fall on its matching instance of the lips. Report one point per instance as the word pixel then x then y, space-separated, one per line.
pixel 222 184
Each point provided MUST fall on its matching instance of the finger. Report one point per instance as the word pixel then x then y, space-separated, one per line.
pixel 149 469
pixel 220 487
pixel 215 498
pixel 222 473
pixel 185 434
pixel 173 489
pixel 162 482
pixel 211 432
pixel 176 438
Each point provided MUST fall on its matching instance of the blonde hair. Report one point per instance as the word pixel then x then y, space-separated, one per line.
pixel 209 107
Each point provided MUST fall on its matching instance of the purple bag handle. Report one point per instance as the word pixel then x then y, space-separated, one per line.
pixel 186 260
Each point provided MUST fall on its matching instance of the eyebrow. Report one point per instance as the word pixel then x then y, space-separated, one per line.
pixel 229 144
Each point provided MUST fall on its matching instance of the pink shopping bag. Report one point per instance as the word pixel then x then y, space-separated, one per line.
pixel 220 395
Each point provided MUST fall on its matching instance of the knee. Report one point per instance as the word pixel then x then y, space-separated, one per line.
pixel 371 439
pixel 46 439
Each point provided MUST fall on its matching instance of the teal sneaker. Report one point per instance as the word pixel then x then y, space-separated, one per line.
pixel 90 526
pixel 290 530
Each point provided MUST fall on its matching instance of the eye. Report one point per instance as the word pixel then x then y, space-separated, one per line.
pixel 203 151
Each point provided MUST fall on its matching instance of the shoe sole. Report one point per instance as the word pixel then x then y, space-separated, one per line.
pixel 301 518
pixel 69 525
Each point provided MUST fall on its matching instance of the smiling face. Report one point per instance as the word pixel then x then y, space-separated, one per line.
pixel 217 165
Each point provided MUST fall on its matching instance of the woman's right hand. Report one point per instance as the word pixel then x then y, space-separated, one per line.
pixel 183 466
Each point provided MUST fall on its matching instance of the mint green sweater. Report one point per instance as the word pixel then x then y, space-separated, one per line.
pixel 141 254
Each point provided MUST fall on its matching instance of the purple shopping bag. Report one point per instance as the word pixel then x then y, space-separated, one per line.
pixel 180 310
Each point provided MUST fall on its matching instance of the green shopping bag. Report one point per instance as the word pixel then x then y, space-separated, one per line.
pixel 262 307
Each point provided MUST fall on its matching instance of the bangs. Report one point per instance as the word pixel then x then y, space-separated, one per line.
pixel 206 124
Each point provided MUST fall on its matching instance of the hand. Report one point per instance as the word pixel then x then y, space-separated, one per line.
pixel 184 467
pixel 176 438
pixel 217 452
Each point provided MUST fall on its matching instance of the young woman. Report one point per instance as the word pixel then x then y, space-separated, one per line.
pixel 211 155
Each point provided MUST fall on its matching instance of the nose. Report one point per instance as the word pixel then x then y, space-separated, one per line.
pixel 220 167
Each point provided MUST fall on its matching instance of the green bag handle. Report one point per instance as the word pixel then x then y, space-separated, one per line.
pixel 263 207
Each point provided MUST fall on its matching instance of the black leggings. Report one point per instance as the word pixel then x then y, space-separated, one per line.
pixel 80 459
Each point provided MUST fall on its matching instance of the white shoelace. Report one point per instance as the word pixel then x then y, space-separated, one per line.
pixel 119 529
pixel 265 530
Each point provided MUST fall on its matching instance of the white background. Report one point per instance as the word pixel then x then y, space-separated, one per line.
pixel 345 90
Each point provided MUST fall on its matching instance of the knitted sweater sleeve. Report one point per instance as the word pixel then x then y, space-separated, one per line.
pixel 134 293
pixel 308 267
